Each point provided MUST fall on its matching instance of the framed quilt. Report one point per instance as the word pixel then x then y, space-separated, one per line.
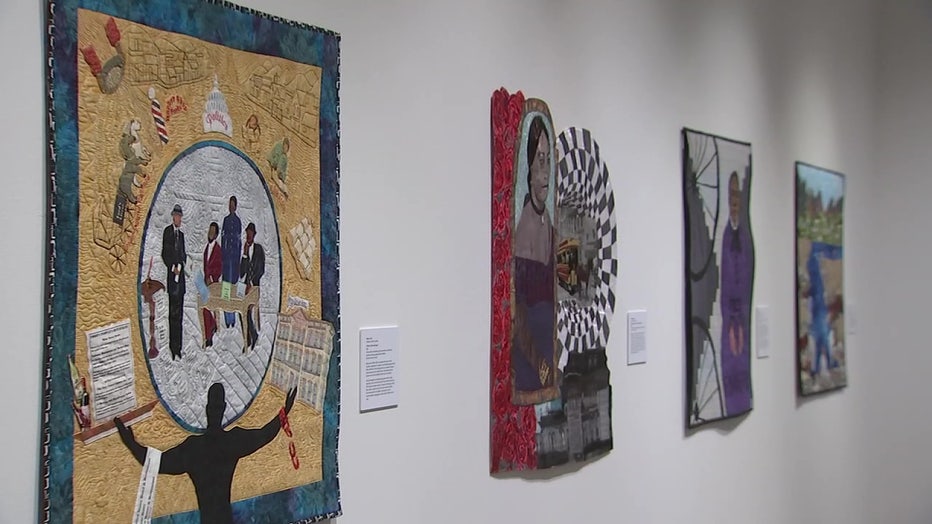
pixel 821 355
pixel 554 268
pixel 719 270
pixel 191 369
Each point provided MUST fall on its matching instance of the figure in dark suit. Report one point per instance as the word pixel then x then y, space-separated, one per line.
pixel 213 266
pixel 210 459
pixel 251 269
pixel 231 239
pixel 174 257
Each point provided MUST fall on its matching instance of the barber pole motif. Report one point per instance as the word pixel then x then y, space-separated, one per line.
pixel 157 117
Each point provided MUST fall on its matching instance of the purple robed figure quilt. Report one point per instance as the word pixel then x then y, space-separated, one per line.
pixel 719 267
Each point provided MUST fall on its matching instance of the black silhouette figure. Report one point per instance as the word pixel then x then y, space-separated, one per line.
pixel 210 459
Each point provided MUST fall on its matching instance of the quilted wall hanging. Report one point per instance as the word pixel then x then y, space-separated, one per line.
pixel 191 369
pixel 719 276
pixel 554 268
pixel 821 355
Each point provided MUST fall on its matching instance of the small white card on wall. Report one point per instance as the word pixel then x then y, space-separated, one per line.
pixel 637 337
pixel 378 368
pixel 762 331
pixel 851 319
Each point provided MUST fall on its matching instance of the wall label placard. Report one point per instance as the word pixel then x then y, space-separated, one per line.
pixel 637 337
pixel 762 331
pixel 378 368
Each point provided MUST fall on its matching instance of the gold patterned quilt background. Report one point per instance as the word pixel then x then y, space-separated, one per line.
pixel 181 71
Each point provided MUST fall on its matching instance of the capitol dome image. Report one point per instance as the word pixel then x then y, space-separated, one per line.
pixel 216 115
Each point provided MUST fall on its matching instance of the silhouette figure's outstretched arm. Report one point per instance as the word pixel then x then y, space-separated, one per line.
pixel 172 462
pixel 129 440
pixel 243 442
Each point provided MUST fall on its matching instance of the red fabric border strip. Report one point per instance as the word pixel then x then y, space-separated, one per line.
pixel 512 428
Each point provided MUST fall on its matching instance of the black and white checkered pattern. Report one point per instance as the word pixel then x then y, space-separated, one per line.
pixel 583 184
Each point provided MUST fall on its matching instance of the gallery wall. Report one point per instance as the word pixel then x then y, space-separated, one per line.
pixel 839 83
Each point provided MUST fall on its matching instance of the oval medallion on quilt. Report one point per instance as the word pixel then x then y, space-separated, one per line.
pixel 210 282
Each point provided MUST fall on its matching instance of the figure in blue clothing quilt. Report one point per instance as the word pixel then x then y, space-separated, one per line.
pixel 820 199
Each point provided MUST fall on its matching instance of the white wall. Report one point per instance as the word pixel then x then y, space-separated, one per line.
pixel 838 83
pixel 22 211
pixel 896 351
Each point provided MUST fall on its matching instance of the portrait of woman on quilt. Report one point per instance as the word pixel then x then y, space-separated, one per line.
pixel 737 276
pixel 533 355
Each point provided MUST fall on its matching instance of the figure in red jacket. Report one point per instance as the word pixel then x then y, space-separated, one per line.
pixel 213 266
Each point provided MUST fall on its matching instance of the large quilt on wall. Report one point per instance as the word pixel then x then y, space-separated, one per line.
pixel 191 369
pixel 554 268
pixel 719 270
pixel 821 353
